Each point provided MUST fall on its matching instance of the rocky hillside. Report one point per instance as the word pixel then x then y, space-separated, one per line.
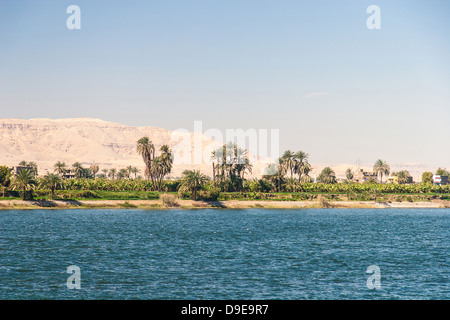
pixel 109 144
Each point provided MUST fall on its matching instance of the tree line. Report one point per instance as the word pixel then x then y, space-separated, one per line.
pixel 230 165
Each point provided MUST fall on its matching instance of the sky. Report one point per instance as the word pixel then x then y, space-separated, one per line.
pixel 312 69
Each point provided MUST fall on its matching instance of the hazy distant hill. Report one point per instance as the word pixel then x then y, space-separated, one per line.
pixel 109 144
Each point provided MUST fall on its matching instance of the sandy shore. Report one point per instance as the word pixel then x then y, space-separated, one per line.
pixel 189 204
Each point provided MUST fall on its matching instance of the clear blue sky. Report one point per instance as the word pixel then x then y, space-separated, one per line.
pixel 312 69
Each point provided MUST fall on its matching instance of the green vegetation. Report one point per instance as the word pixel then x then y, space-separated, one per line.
pixel 33 167
pixel 327 176
pixel 5 175
pixel 288 179
pixel 51 182
pixel 381 168
pixel 230 164
pixel 427 177
pixel 192 181
pixel 442 172
pixel 402 176
pixel 156 168
pixel 24 180
pixel 349 174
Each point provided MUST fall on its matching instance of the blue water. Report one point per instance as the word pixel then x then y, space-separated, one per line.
pixel 225 254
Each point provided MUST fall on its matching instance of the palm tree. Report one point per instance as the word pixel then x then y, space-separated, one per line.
pixel 112 173
pixel 135 171
pixel 24 180
pixel 244 167
pixel 442 172
pixel 381 168
pixel 78 169
pixel 403 176
pixel 146 149
pixel 94 169
pixel 193 180
pixel 129 171
pixel 303 172
pixel 34 168
pixel 327 176
pixel 60 167
pixel 275 172
pixel 349 174
pixel 122 174
pixel 218 162
pixel 289 161
pixel 5 174
pixel 52 182
pixel 302 166
pixel 165 164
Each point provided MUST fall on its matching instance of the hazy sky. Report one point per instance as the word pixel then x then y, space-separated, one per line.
pixel 312 69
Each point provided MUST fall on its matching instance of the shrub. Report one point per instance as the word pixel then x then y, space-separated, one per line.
pixel 169 200
pixel 252 185
pixel 323 202
pixel 88 194
pixel 212 194
pixel 126 204
pixel 184 193
pixel 170 185
pixel 42 193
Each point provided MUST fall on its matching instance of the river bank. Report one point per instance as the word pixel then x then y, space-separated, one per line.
pixel 230 204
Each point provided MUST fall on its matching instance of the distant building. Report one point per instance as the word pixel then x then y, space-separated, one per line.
pixel 363 176
pixel 17 169
pixel 68 174
pixel 440 180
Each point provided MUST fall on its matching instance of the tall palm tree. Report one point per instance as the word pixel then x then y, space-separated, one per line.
pixel 24 180
pixel 146 149
pixel 5 175
pixel 302 166
pixel 34 167
pixel 122 174
pixel 275 172
pixel 218 161
pixel 52 182
pixel 60 168
pixel 245 167
pixel 193 180
pixel 242 162
pixel 129 171
pixel 349 174
pixel 78 169
pixel 112 173
pixel 289 161
pixel 135 171
pixel 381 168
pixel 166 163
pixel 303 172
